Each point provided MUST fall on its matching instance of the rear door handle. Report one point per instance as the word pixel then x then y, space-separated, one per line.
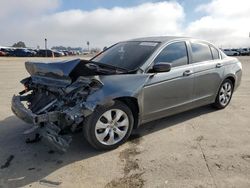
pixel 218 65
pixel 187 73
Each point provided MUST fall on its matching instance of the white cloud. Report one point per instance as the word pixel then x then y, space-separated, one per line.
pixel 16 14
pixel 226 8
pixel 25 8
pixel 101 26
pixel 226 23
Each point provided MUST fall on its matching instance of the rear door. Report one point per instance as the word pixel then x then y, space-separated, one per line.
pixel 208 69
pixel 169 92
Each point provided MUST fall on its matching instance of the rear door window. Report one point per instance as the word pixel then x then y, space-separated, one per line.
pixel 200 52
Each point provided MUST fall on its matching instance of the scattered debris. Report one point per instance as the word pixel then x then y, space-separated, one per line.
pixel 246 157
pixel 8 161
pixel 36 139
pixel 31 168
pixel 199 138
pixel 49 183
pixel 218 165
pixel 51 151
pixel 59 162
pixel 231 167
pixel 16 179
pixel 194 147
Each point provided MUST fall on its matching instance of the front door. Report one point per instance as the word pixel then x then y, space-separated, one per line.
pixel 169 92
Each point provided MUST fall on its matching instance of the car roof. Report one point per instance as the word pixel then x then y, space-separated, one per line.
pixel 159 38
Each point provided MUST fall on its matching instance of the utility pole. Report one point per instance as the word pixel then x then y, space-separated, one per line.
pixel 249 47
pixel 45 40
pixel 88 45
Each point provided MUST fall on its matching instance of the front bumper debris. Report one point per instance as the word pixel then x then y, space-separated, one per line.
pixel 26 115
pixel 20 111
pixel 43 128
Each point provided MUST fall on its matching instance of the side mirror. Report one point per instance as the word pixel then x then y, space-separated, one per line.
pixel 161 67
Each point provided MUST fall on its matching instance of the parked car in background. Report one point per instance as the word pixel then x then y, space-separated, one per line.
pixel 66 52
pixel 85 52
pixel 237 50
pixel 242 51
pixel 57 53
pixel 23 52
pixel 49 53
pixel 231 52
pixel 125 86
pixel 8 51
pixel 44 53
pixel 2 53
pixel 245 51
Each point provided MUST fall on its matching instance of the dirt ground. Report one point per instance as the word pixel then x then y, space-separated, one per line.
pixel 199 148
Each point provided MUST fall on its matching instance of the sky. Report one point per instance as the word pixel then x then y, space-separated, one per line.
pixel 105 22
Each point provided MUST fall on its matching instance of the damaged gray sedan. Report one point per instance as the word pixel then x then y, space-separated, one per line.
pixel 128 84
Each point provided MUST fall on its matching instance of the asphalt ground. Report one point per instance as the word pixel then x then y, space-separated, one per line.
pixel 199 148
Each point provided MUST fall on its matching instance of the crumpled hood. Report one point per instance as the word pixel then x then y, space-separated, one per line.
pixel 57 69
pixel 70 69
pixel 60 73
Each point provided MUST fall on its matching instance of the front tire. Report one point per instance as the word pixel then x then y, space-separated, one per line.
pixel 224 95
pixel 108 127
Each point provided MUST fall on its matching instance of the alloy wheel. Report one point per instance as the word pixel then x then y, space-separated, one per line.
pixel 225 93
pixel 112 126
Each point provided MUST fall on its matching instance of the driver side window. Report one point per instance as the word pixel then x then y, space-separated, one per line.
pixel 174 54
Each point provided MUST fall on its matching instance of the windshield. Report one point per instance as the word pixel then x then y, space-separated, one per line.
pixel 127 55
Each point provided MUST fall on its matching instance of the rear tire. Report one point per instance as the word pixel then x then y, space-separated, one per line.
pixel 224 95
pixel 108 126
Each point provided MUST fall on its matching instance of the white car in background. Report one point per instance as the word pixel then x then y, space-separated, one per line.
pixel 230 52
pixel 245 51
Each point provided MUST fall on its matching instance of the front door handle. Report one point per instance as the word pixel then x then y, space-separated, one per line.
pixel 187 73
pixel 218 65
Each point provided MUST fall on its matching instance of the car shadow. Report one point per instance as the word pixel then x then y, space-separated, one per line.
pixel 22 164
pixel 167 122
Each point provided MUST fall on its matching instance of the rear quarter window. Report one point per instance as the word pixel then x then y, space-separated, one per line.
pixel 215 52
pixel 200 52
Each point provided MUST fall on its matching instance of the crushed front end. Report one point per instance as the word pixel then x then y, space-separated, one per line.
pixel 55 107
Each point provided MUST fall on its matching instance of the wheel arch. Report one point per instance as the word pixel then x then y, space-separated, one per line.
pixel 132 103
pixel 230 77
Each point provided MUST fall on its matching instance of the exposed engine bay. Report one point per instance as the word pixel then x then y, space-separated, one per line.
pixel 54 99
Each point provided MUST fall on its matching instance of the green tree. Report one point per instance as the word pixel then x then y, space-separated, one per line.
pixel 19 44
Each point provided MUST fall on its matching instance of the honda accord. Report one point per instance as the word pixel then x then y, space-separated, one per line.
pixel 123 87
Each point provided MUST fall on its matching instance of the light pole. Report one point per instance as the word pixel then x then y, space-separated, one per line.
pixel 88 45
pixel 45 40
pixel 249 47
